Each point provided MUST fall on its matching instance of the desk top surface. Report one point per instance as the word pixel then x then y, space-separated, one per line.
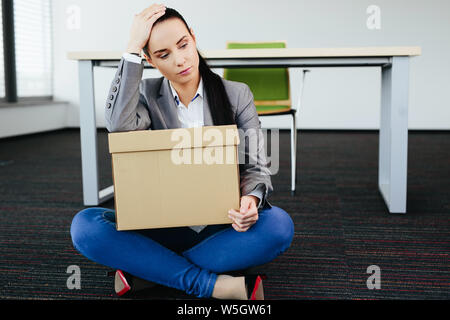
pixel 271 53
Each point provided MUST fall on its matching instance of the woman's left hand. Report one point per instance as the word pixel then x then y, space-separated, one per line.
pixel 247 214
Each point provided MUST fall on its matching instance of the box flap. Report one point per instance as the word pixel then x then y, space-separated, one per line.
pixel 168 139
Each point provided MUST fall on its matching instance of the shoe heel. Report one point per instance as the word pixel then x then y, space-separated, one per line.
pixel 121 285
pixel 254 284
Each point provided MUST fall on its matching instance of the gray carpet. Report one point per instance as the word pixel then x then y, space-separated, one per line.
pixel 341 223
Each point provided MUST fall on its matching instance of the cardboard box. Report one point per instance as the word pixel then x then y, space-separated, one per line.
pixel 175 177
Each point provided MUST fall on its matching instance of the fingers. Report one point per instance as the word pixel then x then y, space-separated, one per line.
pixel 246 217
pixel 152 16
pixel 142 26
pixel 242 222
pixel 239 229
pixel 152 11
pixel 151 8
pixel 250 216
pixel 242 227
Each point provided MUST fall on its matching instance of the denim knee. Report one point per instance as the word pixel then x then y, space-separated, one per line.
pixel 82 229
pixel 282 227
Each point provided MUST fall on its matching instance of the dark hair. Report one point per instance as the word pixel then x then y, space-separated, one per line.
pixel 218 101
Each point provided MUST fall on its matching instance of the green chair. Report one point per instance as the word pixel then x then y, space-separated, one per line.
pixel 271 91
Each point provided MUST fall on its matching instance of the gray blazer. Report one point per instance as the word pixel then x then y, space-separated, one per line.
pixel 134 103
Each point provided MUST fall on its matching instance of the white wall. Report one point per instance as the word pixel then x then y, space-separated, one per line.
pixel 344 98
pixel 19 120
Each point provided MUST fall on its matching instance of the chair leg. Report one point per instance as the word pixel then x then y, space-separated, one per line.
pixel 293 154
pixel 294 135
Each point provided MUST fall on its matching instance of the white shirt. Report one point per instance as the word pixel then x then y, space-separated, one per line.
pixel 192 115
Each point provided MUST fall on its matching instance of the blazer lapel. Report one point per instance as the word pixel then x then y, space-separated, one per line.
pixel 167 106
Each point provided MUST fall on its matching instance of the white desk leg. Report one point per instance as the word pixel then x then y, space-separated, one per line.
pixel 88 132
pixel 393 144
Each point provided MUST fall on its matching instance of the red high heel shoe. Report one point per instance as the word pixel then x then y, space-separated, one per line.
pixel 125 283
pixel 121 285
pixel 254 286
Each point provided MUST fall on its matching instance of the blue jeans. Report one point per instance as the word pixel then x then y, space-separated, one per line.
pixel 180 257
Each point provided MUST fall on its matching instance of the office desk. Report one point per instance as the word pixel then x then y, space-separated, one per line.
pixel 393 145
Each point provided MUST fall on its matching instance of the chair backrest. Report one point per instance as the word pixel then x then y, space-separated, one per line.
pixel 266 84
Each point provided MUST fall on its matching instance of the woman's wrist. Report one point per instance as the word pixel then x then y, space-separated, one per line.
pixel 254 198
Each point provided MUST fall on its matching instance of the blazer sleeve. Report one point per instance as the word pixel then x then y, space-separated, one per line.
pixel 259 193
pixel 253 165
pixel 126 109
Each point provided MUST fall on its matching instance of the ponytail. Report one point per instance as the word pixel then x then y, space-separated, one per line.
pixel 218 101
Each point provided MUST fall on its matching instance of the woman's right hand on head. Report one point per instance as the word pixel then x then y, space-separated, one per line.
pixel 142 26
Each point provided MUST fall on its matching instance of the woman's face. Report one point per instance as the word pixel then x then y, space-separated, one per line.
pixel 173 50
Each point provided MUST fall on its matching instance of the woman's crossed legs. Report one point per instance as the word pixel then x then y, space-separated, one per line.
pixel 179 257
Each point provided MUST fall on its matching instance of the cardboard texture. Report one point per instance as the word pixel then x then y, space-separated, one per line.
pixel 175 177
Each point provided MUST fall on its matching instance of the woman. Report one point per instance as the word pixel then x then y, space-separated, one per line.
pixel 193 259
